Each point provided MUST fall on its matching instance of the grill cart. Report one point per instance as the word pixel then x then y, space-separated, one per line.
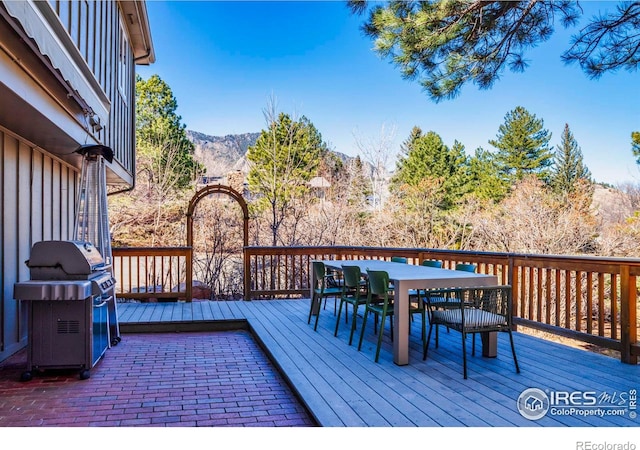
pixel 67 300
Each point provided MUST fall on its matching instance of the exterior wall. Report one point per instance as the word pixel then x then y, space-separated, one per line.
pixel 44 118
pixel 38 195
pixel 98 32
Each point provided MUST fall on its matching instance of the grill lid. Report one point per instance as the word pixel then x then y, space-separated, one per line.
pixel 61 259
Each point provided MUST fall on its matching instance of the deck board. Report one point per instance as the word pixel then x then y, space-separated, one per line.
pixel 344 387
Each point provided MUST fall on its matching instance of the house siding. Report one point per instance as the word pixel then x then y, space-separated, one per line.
pixel 38 196
pixel 80 18
pixel 41 126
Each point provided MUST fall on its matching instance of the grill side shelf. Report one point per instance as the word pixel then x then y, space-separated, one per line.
pixel 52 290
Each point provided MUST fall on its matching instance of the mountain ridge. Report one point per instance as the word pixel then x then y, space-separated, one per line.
pixel 223 154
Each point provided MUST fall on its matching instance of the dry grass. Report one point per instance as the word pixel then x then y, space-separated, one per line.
pixel 569 342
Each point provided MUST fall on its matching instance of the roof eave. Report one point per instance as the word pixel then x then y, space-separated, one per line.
pixel 137 22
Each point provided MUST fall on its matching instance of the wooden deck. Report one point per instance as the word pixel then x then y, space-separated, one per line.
pixel 342 387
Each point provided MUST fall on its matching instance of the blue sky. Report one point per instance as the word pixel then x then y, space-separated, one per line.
pixel 224 61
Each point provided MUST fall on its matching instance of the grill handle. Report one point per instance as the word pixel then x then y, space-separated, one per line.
pixel 104 302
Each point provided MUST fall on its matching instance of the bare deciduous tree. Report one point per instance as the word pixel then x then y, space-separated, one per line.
pixel 378 153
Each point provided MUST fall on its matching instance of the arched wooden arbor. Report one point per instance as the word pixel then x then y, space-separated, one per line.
pixel 202 193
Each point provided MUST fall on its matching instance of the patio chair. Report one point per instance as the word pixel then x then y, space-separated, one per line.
pixel 399 259
pixel 470 311
pixel 432 263
pixel 354 293
pixel 334 280
pixel 466 267
pixel 379 302
pixel 321 290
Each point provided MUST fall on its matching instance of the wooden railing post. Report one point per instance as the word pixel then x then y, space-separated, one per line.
pixel 247 274
pixel 512 281
pixel 189 276
pixel 628 315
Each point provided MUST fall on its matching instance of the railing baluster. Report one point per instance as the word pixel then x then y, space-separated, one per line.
pixel 601 304
pixel 614 306
pixel 589 312
pixel 578 314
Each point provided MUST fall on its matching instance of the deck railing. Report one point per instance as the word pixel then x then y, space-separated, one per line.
pixel 590 299
pixel 153 272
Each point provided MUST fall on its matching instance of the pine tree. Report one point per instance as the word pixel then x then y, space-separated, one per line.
pixel 485 176
pixel 522 144
pixel 569 166
pixel 282 161
pixel 425 156
pixel 165 153
pixel 445 44
pixel 635 145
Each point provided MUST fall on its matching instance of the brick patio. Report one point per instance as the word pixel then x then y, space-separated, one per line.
pixel 199 379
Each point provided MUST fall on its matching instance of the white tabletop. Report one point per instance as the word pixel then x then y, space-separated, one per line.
pixel 416 276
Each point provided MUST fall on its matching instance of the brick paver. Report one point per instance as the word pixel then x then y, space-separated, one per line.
pixel 158 380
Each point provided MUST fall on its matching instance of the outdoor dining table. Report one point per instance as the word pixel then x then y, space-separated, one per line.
pixel 409 276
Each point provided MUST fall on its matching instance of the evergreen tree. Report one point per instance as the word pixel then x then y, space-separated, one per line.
pixel 569 166
pixel 522 143
pixel 165 153
pixel 635 145
pixel 485 176
pixel 425 156
pixel 282 161
pixel 445 44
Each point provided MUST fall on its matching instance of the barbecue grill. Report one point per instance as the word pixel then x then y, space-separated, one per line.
pixel 68 294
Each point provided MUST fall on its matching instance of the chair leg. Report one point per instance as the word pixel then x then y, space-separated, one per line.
pixel 353 322
pixel 425 345
pixel 364 324
pixel 513 351
pixel 473 344
pixel 313 300
pixel 335 333
pixel 315 326
pixel 464 354
pixel 380 332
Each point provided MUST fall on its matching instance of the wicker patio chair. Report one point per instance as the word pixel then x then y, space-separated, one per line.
pixel 470 311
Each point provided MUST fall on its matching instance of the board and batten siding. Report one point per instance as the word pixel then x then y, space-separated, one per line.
pixel 99 33
pixel 101 42
pixel 38 198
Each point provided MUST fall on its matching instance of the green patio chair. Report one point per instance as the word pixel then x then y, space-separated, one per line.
pixel 379 302
pixel 354 293
pixel 432 263
pixel 466 267
pixel 321 290
pixel 415 301
pixel 399 259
